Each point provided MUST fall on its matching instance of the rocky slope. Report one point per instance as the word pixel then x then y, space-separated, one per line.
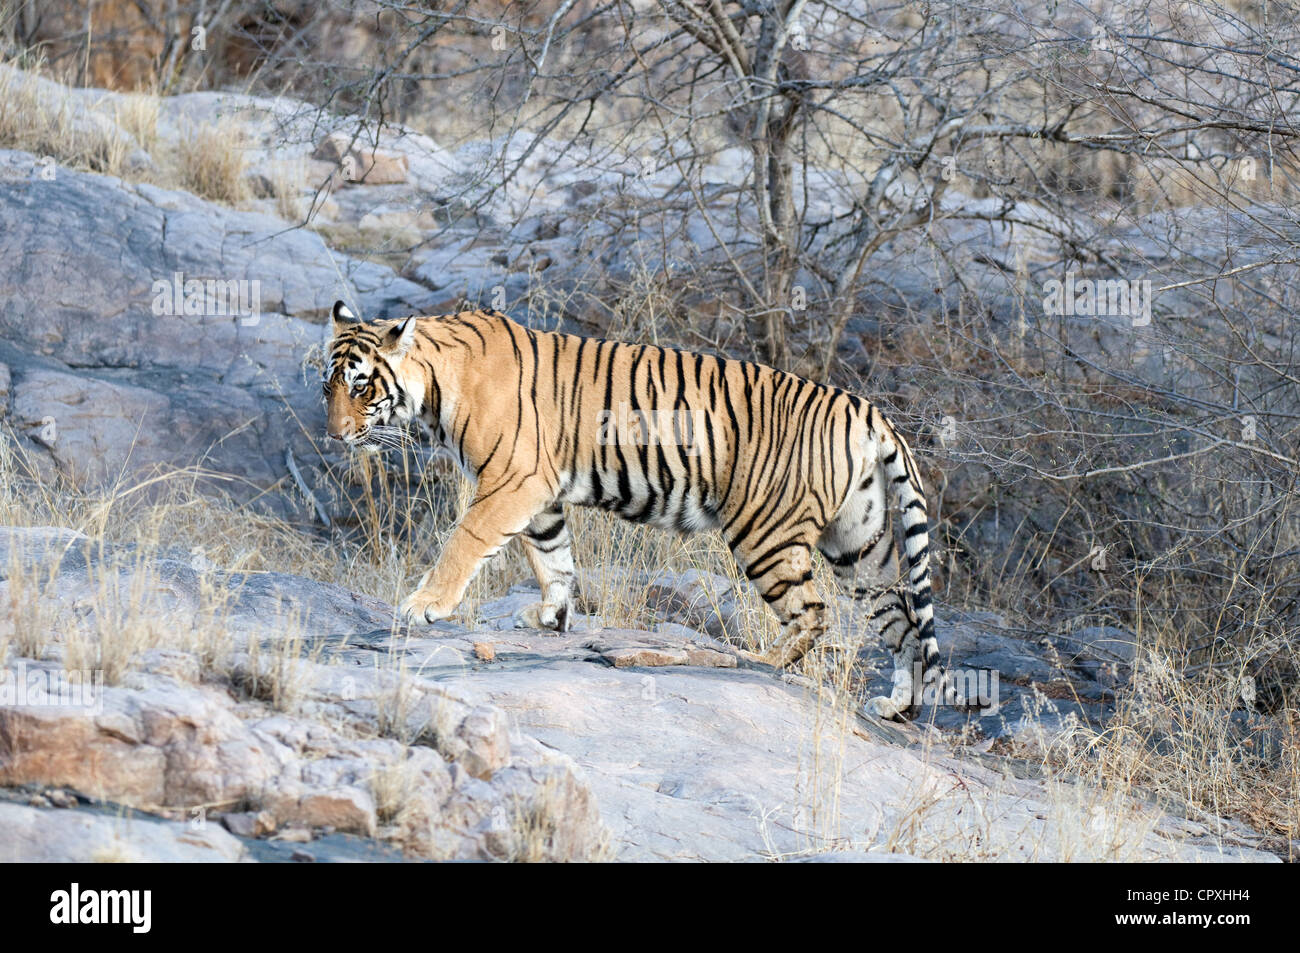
pixel 295 719
pixel 269 717
pixel 133 381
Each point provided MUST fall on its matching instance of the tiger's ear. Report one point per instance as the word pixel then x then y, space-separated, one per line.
pixel 343 318
pixel 399 337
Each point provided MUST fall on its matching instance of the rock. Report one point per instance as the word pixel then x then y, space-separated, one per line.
pixel 139 163
pixel 627 657
pixel 93 427
pixel 120 371
pixel 626 649
pixel 342 809
pixel 1104 654
pixel 179 666
pixel 1105 643
pixel 61 798
pixel 295 835
pixel 858 857
pixel 167 739
pixel 727 754
pixel 554 752
pixel 249 823
pixel 701 601
pixel 708 658
pixel 486 739
pixel 360 164
pixel 33 835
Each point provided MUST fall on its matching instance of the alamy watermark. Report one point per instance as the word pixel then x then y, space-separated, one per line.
pixel 208 297
pixel 131 908
pixel 636 427
pixel 1101 297
pixel 51 688
pixel 977 687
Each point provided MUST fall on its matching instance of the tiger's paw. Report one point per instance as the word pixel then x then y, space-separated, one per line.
pixel 882 706
pixel 543 615
pixel 788 652
pixel 421 606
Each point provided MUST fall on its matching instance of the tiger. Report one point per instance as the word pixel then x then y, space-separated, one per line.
pixel 540 419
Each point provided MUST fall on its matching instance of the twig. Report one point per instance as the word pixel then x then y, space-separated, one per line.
pixel 292 464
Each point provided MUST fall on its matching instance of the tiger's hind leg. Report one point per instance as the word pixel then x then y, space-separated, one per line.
pixel 859 546
pixel 548 546
pixel 783 577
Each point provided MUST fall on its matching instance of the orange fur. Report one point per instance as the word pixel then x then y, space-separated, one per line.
pixel 685 441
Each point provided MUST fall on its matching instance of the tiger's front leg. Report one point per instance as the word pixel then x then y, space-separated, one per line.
pixel 491 521
pixel 548 546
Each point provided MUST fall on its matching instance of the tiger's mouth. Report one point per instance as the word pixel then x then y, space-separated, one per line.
pixel 378 436
pixel 364 439
pixel 359 439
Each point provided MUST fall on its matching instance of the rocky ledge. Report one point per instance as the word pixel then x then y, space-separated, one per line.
pixel 270 717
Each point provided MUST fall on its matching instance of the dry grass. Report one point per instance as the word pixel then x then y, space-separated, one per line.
pixel 29 618
pixel 1082 821
pixel 137 114
pixel 280 678
pixel 57 126
pixel 1175 738
pixel 211 161
pixel 533 824
pixel 208 639
pixel 99 133
pixel 116 852
pixel 833 717
pixel 389 245
pixel 393 786
pixel 398 714
pixel 124 604
pixel 1172 740
pixel 125 620
pixel 286 188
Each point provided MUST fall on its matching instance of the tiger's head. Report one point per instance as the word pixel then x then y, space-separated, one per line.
pixel 364 393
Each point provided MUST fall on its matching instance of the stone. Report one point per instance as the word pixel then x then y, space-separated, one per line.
pixel 624 648
pixel 249 823
pixel 486 737
pixel 165 739
pixel 60 798
pixel 123 374
pixel 573 746
pixel 295 835
pixel 35 835
pixel 1106 643
pixel 342 809
pixel 858 857
pixel 627 657
pixel 357 163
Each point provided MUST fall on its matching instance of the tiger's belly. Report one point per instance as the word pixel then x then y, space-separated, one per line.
pixel 664 500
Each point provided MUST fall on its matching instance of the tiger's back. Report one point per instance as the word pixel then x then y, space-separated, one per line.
pixel 681 440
